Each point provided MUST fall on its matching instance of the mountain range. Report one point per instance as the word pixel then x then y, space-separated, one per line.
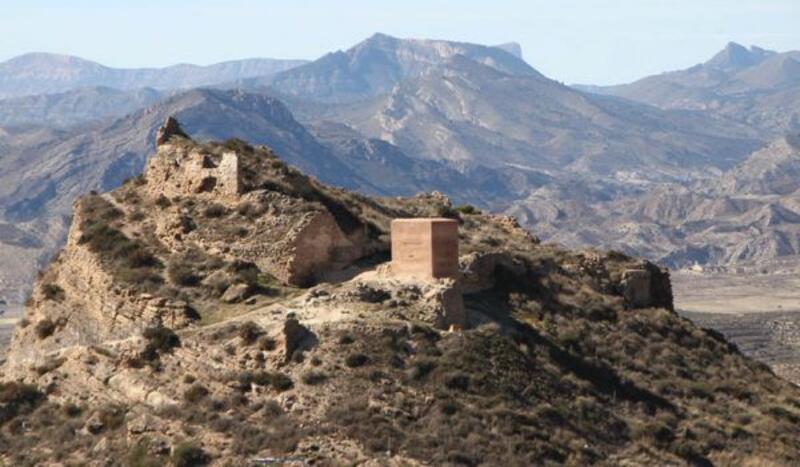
pixel 758 87
pixel 44 73
pixel 677 167
pixel 747 216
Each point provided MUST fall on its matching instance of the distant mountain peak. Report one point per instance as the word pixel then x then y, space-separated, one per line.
pixel 511 47
pixel 738 57
pixel 375 65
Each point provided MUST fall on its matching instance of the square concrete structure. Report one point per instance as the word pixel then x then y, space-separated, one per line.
pixel 425 248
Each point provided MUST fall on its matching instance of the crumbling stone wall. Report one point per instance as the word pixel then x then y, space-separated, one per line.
pixel 317 244
pixel 177 170
pixel 647 286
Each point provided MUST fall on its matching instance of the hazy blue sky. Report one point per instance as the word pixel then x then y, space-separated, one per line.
pixel 584 41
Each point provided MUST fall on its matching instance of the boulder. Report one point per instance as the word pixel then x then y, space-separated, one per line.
pixel 236 293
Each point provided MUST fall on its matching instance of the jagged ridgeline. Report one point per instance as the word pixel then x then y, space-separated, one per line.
pixel 224 308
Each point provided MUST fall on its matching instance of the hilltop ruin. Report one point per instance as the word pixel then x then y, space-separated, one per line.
pixel 229 325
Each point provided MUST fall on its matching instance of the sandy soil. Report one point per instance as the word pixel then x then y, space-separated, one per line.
pixel 736 293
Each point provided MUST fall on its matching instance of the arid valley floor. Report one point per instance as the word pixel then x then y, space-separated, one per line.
pixel 759 313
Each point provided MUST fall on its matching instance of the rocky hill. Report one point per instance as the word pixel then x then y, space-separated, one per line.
pixel 224 308
pixel 43 73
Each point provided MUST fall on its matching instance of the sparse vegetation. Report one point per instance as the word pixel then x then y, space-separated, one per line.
pixel 468 209
pixel 17 398
pixel 163 202
pixel 314 377
pixel 356 360
pixel 195 393
pixel 131 260
pixel 278 381
pixel 214 211
pixel 189 455
pixel 45 328
pixel 53 292
pixel 249 332
pixel 160 340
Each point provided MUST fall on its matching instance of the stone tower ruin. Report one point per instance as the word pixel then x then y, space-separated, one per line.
pixel 425 248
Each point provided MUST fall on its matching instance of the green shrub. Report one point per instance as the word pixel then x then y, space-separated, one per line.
pixel 447 211
pixel 45 328
pixel 214 211
pixel 17 398
pixel 188 455
pixel 136 215
pixel 160 340
pixel 163 202
pixel 458 381
pixel 249 332
pixel 53 292
pixel 346 339
pixel 468 209
pixel 356 360
pixel 267 343
pixel 195 393
pixel 422 368
pixel 182 273
pixel 313 377
pixel 72 410
pixel 278 381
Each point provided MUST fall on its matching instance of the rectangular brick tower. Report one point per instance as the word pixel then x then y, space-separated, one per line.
pixel 425 248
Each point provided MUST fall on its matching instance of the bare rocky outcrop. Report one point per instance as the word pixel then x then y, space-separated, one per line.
pixel 170 128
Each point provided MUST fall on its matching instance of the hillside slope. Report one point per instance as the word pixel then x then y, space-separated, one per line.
pixel 173 326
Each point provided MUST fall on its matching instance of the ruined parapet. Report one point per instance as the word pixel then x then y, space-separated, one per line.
pixel 648 286
pixel 425 248
pixel 178 170
pixel 481 271
pixel 314 245
pixel 445 304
